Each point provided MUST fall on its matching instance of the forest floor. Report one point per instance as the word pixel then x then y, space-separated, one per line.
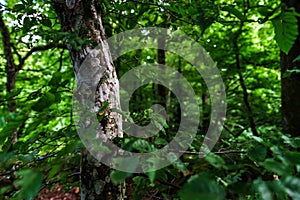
pixel 59 194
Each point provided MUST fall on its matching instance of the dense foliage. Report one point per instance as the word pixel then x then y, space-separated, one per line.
pixel 253 159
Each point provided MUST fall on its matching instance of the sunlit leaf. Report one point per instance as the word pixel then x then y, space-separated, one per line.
pixel 234 11
pixel 286 29
pixel 13 93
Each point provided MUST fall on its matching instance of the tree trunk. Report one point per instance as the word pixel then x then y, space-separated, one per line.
pixel 161 59
pixel 11 73
pixel 290 85
pixel 10 67
pixel 83 19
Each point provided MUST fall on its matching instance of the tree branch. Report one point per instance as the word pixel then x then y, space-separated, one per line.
pixel 164 8
pixel 243 85
pixel 39 48
pixel 203 153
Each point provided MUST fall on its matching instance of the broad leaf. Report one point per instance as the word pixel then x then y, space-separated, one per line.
pixel 44 102
pixel 297 59
pixel 292 185
pixel 275 166
pixel 18 8
pixel 46 22
pixel 30 182
pixel 118 176
pixel 263 190
pixel 215 160
pixel 286 30
pixel 202 187
pixel 13 93
pixel 27 24
pixel 257 153
pixel 264 11
pixel 294 142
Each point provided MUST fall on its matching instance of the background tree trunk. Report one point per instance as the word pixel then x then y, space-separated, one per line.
pixel 290 85
pixel 83 19
pixel 11 73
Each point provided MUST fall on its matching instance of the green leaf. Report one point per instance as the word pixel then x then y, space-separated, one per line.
pixel 151 176
pixel 202 187
pixel 10 128
pixel 5 157
pixel 27 24
pixel 278 189
pixel 178 164
pixel 215 160
pixel 204 21
pixel 7 144
pixel 238 187
pixel 160 141
pixel 57 97
pixel 68 148
pixel 31 11
pixel 18 8
pixel 297 59
pixel 293 157
pixel 34 95
pixel 26 158
pixel 54 170
pixel 139 189
pixel 292 185
pixel 264 11
pixel 162 175
pixel 127 163
pixel 234 11
pixel 288 73
pixel 5 189
pixel 257 153
pixel 105 105
pixel 56 78
pixel 143 146
pixel 30 182
pixel 262 188
pixel 118 176
pixel 44 102
pixel 46 22
pixel 13 93
pixel 294 142
pixel 274 166
pixel 286 30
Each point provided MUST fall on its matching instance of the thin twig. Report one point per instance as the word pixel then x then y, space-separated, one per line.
pixel 203 153
pixel 39 48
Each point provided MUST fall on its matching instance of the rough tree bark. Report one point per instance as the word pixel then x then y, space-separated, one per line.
pixel 161 59
pixel 83 17
pixel 11 72
pixel 290 86
pixel 10 67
